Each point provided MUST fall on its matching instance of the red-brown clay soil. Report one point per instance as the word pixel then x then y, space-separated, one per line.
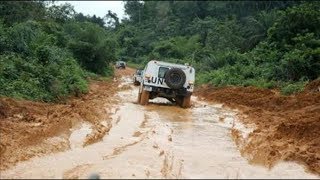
pixel 287 127
pixel 26 126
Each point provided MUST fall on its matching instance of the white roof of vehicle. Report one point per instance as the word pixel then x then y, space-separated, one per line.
pixel 169 64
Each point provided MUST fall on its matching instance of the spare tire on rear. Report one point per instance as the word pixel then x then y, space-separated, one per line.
pixel 175 78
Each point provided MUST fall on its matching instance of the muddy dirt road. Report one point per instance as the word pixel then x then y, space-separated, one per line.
pixel 155 141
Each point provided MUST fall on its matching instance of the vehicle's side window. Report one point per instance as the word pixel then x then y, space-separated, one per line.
pixel 162 72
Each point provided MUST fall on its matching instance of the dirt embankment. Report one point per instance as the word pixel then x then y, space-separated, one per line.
pixel 31 128
pixel 287 127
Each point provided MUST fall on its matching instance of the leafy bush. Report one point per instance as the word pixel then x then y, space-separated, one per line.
pixel 271 44
pixel 91 47
pixel 40 60
pixel 19 78
pixel 34 78
pixel 293 87
pixel 134 65
pixel 259 82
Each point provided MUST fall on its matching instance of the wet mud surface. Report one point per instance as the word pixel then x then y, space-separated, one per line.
pixel 287 128
pixel 160 140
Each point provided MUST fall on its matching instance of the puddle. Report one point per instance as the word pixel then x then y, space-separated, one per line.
pixel 125 81
pixel 78 136
pixel 204 144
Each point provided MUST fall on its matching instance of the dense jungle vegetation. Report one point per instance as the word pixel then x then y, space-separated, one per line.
pixel 47 52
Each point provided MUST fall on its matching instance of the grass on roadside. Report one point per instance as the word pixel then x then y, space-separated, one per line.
pixel 134 65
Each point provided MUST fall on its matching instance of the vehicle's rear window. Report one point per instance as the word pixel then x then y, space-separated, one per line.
pixel 162 72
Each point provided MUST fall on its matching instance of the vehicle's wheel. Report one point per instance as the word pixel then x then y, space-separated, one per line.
pixel 139 98
pixel 144 97
pixel 136 83
pixel 178 100
pixel 175 78
pixel 186 102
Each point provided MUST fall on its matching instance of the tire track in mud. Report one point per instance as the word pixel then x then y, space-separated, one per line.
pixel 31 129
pixel 75 172
pixel 116 150
pixel 121 149
pixel 167 169
pixel 97 134
pixel 147 131
pixel 213 126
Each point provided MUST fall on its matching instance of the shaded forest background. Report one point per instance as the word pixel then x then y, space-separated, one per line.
pixel 48 52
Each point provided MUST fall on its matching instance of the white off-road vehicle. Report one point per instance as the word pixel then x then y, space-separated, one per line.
pixel 120 64
pixel 174 82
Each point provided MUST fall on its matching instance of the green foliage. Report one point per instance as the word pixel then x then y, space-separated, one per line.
pixel 298 20
pixel 256 28
pixel 61 13
pixel 46 52
pixel 292 87
pixel 15 12
pixel 134 65
pixel 250 43
pixel 129 43
pixel 177 47
pixel 44 60
pixel 226 35
pixel 52 74
pixel 91 46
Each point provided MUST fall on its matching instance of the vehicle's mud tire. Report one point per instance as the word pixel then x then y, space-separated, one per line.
pixel 144 97
pixel 136 83
pixel 139 98
pixel 178 100
pixel 186 102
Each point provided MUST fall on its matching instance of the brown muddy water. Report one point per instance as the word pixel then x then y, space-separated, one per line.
pixel 156 141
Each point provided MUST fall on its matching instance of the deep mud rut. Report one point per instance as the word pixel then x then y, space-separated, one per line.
pixel 156 141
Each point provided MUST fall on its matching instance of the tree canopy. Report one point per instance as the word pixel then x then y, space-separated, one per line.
pixel 48 51
pixel 260 43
